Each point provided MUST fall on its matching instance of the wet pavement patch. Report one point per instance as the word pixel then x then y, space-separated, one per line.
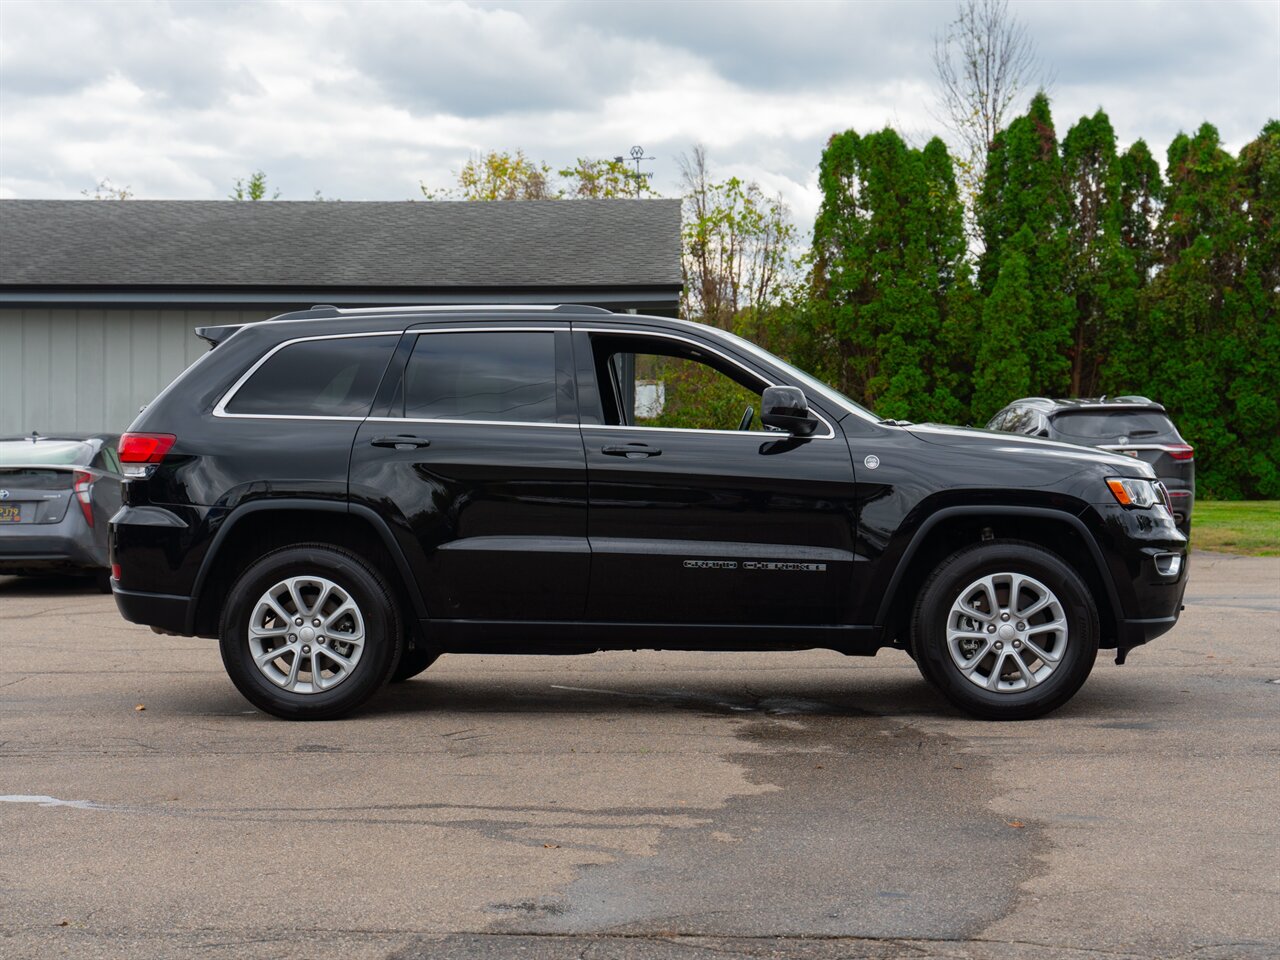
pixel 876 830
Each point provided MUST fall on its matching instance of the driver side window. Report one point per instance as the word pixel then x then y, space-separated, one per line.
pixel 652 385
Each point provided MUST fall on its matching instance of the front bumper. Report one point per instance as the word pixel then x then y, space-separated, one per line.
pixel 1146 556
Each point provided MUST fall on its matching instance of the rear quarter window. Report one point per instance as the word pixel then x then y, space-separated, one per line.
pixel 316 378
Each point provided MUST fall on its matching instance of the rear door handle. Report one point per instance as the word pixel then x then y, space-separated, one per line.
pixel 401 442
pixel 632 451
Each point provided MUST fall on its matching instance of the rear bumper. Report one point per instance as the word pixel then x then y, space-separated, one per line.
pixel 163 611
pixel 22 553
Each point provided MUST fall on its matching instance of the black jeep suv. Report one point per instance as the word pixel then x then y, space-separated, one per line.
pixel 340 496
pixel 1135 426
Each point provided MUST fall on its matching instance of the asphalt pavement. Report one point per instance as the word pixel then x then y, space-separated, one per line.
pixel 666 806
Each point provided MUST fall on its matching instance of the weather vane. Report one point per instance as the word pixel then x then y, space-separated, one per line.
pixel 637 155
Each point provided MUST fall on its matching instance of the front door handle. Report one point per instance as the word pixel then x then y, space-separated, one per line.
pixel 632 451
pixel 400 442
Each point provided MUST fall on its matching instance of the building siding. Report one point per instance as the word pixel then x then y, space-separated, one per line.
pixel 89 370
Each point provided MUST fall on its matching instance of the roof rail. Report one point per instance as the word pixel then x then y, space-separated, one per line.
pixel 579 308
pixel 1134 398
pixel 326 309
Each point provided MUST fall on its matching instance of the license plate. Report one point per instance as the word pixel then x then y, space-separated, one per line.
pixel 8 513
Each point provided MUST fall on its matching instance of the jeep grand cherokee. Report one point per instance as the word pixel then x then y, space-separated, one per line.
pixel 339 496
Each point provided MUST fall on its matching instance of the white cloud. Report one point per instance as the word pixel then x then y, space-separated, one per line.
pixel 362 100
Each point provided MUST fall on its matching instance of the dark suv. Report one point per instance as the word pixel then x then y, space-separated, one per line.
pixel 1134 426
pixel 342 495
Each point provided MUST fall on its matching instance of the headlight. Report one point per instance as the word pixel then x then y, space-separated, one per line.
pixel 1130 492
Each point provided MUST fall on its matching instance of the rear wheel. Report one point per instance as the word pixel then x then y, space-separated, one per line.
pixel 1005 630
pixel 310 632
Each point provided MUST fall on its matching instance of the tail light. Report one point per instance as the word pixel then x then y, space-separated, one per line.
pixel 137 450
pixel 1181 451
pixel 82 484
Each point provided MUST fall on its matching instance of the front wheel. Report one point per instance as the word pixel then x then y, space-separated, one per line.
pixel 310 632
pixel 1005 630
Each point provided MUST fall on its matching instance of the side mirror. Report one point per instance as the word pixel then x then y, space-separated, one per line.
pixel 787 409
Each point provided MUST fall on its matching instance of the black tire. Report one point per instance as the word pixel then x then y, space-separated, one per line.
pixel 366 587
pixel 944 587
pixel 102 580
pixel 412 662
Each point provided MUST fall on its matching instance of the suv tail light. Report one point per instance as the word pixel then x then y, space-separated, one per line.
pixel 1181 451
pixel 82 484
pixel 136 450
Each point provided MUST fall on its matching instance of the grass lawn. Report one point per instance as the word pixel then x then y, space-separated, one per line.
pixel 1251 527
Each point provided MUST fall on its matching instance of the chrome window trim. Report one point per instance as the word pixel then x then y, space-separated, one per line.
pixel 484 423
pixel 829 435
pixel 769 434
pixel 220 408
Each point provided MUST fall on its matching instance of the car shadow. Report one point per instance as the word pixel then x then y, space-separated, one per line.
pixel 671 691
pixel 49 586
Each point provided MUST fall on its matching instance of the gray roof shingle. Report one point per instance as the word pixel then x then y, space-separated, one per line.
pixel 590 243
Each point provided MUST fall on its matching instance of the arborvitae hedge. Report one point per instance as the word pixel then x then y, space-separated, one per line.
pixel 1095 276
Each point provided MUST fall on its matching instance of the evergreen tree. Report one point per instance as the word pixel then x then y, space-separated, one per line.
pixel 1001 367
pixel 1141 197
pixel 1255 389
pixel 888 275
pixel 1210 320
pixel 1025 190
pixel 1102 277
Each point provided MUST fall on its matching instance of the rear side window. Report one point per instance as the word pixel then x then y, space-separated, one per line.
pixel 1113 424
pixel 316 378
pixel 482 375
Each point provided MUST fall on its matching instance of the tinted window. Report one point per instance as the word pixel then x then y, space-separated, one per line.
pixel 317 378
pixel 1112 424
pixel 482 376
pixel 28 478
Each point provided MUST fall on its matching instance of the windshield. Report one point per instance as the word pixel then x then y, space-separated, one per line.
pixel 812 384
pixel 1113 424
pixel 45 451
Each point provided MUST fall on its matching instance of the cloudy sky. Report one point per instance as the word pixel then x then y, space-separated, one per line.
pixel 362 100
